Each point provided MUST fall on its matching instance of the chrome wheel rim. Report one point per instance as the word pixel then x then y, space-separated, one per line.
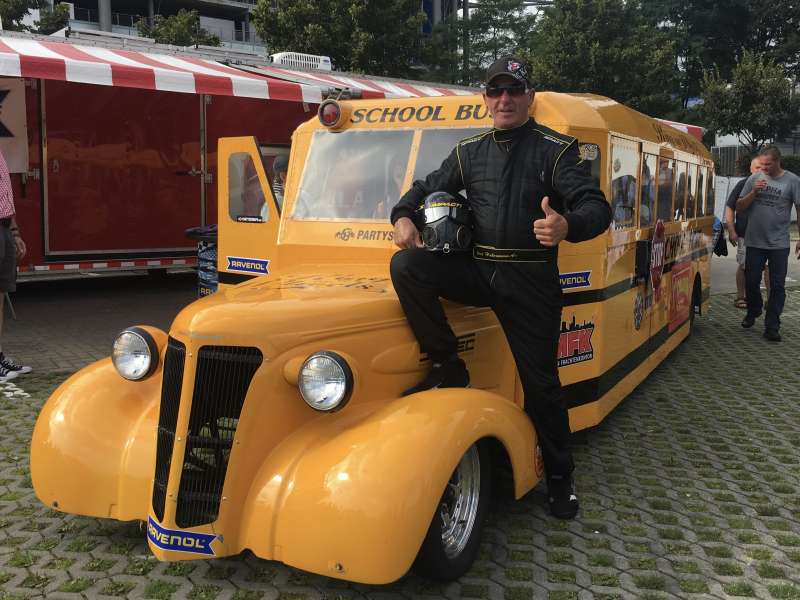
pixel 459 505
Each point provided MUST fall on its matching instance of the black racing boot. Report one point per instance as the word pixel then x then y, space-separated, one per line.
pixel 561 497
pixel 447 374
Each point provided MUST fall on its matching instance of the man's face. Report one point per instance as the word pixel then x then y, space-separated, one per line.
pixel 507 101
pixel 769 165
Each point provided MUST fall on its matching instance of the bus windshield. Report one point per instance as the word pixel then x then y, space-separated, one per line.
pixel 353 175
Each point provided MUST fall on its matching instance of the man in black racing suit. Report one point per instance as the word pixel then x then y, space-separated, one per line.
pixel 528 190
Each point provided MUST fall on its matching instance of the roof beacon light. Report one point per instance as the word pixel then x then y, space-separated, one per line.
pixel 330 113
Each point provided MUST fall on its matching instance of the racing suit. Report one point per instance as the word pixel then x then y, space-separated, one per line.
pixel 506 174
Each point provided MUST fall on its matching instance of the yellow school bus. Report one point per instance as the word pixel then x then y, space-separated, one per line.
pixel 269 417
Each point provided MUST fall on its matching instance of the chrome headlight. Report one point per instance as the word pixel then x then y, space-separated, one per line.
pixel 325 381
pixel 135 354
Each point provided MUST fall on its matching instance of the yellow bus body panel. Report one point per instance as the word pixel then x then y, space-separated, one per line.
pixel 351 494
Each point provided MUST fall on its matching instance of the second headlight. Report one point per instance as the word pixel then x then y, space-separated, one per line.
pixel 325 381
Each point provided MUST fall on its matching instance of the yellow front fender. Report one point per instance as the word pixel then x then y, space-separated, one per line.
pixel 352 495
pixel 93 445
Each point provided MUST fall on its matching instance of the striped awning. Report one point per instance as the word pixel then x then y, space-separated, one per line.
pixel 370 88
pixel 694 130
pixel 63 61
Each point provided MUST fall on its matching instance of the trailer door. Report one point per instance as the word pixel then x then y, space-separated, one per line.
pixel 249 215
pixel 122 171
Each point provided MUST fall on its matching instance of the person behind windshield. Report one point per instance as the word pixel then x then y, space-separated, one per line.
pixel 280 166
pixel 528 190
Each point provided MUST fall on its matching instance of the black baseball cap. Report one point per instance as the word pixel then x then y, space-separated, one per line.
pixel 509 65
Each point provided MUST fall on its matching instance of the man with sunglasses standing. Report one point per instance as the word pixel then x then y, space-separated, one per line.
pixel 528 190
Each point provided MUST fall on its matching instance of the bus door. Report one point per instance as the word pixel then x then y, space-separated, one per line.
pixel 628 314
pixel 657 295
pixel 248 217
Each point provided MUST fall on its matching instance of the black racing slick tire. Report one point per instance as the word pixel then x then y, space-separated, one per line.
pixel 453 538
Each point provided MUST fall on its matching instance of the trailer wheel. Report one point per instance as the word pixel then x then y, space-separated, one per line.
pixel 453 538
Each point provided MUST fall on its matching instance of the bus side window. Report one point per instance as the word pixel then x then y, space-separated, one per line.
pixel 691 195
pixel 680 191
pixel 624 174
pixel 701 191
pixel 666 176
pixel 710 198
pixel 647 206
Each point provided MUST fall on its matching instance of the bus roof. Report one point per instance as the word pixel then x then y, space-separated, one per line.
pixel 560 111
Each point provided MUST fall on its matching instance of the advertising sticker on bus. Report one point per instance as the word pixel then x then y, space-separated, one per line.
pixel 657 246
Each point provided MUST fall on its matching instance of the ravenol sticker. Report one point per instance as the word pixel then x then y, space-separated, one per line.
pixel 258 266
pixel 182 541
pixel 579 279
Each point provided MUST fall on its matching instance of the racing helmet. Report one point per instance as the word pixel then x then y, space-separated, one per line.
pixel 447 222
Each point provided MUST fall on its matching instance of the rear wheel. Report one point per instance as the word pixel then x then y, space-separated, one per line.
pixel 453 538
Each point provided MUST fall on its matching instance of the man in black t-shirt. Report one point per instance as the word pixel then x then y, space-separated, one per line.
pixel 736 222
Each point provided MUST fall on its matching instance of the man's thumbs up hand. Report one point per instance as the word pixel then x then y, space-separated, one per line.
pixel 553 228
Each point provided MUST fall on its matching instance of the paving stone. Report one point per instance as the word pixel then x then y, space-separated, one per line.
pixel 689 489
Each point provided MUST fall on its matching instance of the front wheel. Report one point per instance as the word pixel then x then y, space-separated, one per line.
pixel 453 538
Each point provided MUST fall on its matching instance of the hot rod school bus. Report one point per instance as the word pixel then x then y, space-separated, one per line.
pixel 269 417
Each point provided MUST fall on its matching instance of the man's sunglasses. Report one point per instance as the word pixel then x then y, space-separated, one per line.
pixel 495 91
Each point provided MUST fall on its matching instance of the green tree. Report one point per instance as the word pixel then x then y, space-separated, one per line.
pixel 52 20
pixel 13 11
pixel 756 104
pixel 440 55
pixel 706 34
pixel 182 29
pixel 774 29
pixel 495 28
pixel 379 37
pixel 606 47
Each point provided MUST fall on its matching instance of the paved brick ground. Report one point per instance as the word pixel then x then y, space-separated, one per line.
pixel 690 489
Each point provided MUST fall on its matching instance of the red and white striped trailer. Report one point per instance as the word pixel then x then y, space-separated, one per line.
pixel 121 143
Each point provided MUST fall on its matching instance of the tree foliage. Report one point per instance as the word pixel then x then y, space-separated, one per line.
pixel 52 20
pixel 606 47
pixel 495 29
pixel 756 104
pixel 379 37
pixel 13 11
pixel 182 29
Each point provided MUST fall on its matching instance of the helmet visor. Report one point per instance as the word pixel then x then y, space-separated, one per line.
pixel 439 210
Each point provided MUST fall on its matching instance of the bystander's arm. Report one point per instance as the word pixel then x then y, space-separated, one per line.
pixel 729 225
pixel 19 244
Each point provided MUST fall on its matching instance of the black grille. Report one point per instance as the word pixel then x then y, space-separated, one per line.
pixel 223 376
pixel 168 417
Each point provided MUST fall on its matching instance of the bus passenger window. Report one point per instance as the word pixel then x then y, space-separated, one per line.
pixel 624 171
pixel 692 192
pixel 680 191
pixel 701 191
pixel 647 206
pixel 666 175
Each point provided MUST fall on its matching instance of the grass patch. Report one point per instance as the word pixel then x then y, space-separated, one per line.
pixel 685 566
pixel 519 574
pixel 784 591
pixel 738 588
pixel 729 569
pixel 649 582
pixel 159 589
pixel 605 579
pixel 558 557
pixel 76 586
pixel 561 576
pixel 693 586
pixel 601 560
pixel 718 551
pixel 118 588
pixel 204 592
pixel 518 593
pixel 769 570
